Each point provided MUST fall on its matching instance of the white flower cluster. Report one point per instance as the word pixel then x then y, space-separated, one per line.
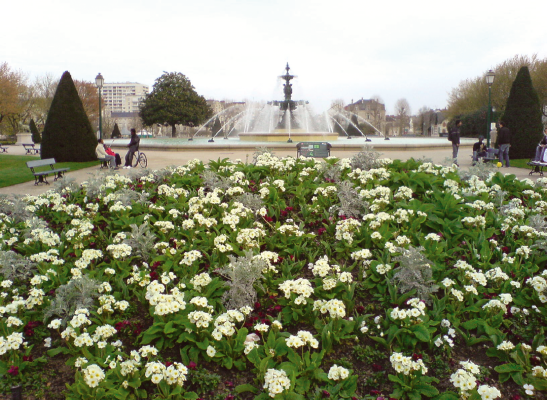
pixel 336 308
pixel 88 256
pixel 345 229
pixel 448 338
pixel 403 193
pixel 406 365
pixel 225 324
pixel 174 374
pixel 488 392
pixel 119 250
pixel 11 342
pixel 302 287
pixel 413 314
pixel 93 375
pixel 325 191
pixel 381 196
pixel 301 339
pixel 45 237
pixel 290 230
pixel 200 281
pixel 164 303
pixel 276 381
pixel 496 274
pixel 476 222
pixel 322 268
pixel 269 257
pixel 189 257
pixel 337 373
pixel 539 283
pixel 164 226
pixel 506 345
pixel 378 219
pixel 82 229
pixel 249 237
pixel 465 379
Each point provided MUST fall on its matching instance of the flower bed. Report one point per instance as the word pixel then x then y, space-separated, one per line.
pixel 286 278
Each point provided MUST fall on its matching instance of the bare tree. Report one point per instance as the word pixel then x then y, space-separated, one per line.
pixel 402 112
pixel 44 88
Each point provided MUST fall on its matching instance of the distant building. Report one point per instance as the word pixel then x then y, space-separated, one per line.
pixel 124 97
pixel 370 110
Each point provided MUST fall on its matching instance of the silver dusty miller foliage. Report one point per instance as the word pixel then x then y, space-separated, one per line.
pixel 251 201
pixel 366 159
pixel 141 239
pixel 481 170
pixel 14 266
pixel 351 204
pixel 414 272
pixel 242 274
pixel 66 185
pixel 78 293
pixel 16 208
pixel 212 181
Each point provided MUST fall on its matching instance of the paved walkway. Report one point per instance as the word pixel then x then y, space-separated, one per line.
pixel 161 159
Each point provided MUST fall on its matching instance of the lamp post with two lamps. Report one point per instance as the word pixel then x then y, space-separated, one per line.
pixel 489 80
pixel 99 81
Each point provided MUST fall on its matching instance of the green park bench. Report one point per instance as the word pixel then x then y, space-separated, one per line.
pixel 41 176
pixel 313 149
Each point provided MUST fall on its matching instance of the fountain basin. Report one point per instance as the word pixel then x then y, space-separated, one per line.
pixel 283 136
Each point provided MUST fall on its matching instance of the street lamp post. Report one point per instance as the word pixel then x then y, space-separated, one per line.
pixel 489 80
pixel 99 81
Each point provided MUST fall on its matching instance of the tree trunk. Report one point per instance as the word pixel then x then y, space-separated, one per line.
pixel 173 131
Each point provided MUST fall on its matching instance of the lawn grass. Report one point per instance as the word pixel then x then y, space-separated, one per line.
pixel 14 170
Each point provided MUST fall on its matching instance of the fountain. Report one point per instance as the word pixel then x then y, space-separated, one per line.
pixel 281 121
pixel 276 124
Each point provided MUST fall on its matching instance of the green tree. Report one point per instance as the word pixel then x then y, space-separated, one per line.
pixel 68 135
pixel 217 128
pixel 523 116
pixel 471 95
pixel 36 138
pixel 116 132
pixel 174 101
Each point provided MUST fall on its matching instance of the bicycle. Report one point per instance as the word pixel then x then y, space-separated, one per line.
pixel 139 158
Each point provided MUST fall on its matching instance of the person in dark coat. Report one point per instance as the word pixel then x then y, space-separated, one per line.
pixel 479 150
pixel 133 147
pixel 455 139
pixel 504 143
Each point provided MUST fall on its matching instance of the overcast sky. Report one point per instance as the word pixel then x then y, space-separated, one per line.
pixel 236 49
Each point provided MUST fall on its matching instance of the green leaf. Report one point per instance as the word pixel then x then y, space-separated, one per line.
pixel 396 379
pixel 246 388
pixel 421 333
pixel 426 389
pixel 169 328
pixel 58 350
pixel 511 367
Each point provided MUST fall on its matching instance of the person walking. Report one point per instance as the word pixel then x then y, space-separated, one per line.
pixel 133 147
pixel 101 153
pixel 504 142
pixel 455 139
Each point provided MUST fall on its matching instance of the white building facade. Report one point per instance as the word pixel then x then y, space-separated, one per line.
pixel 124 97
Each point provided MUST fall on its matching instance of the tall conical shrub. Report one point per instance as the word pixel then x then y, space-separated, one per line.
pixel 116 132
pixel 523 116
pixel 68 135
pixel 36 138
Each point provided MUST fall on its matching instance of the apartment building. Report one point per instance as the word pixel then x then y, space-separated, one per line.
pixel 124 97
